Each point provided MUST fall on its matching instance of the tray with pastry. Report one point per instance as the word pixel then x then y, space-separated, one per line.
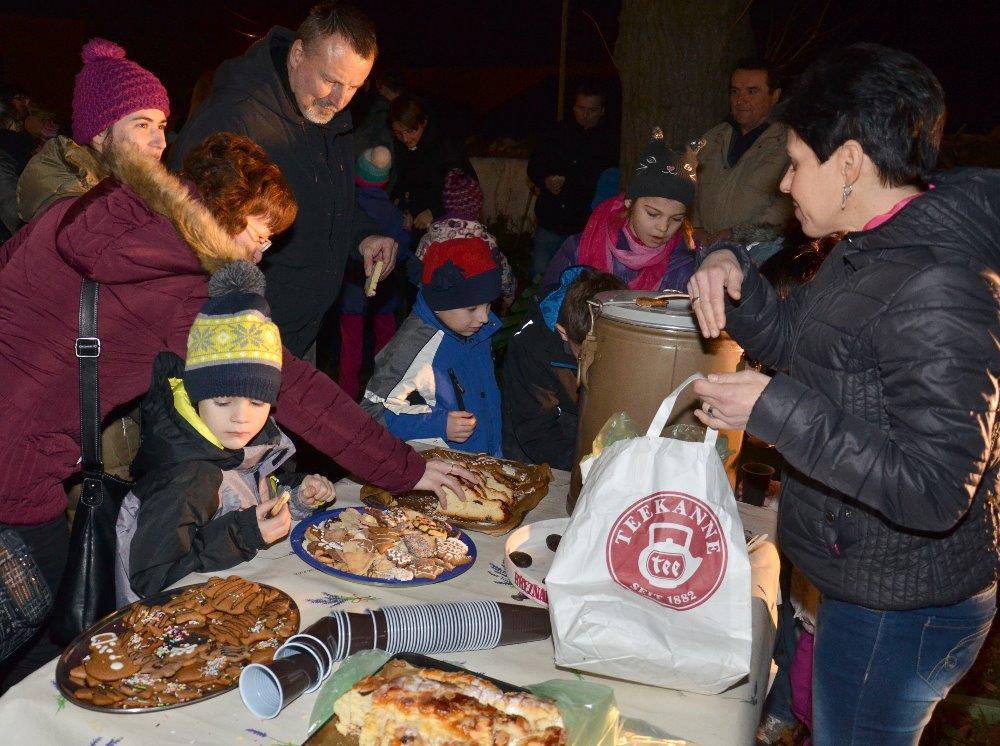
pixel 398 546
pixel 176 647
pixel 420 700
pixel 497 506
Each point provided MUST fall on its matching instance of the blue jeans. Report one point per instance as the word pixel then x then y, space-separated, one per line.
pixel 878 675
pixel 546 244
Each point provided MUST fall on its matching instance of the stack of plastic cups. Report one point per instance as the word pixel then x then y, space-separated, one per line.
pixel 306 659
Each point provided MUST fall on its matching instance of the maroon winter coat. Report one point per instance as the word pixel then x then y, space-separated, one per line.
pixel 153 283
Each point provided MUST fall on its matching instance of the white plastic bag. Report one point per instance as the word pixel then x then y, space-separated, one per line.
pixel 651 582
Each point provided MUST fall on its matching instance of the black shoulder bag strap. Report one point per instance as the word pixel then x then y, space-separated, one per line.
pixel 88 349
pixel 87 590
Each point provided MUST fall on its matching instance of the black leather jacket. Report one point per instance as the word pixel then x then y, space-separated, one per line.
pixel 886 404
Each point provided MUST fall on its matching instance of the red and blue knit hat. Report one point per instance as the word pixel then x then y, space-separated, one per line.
pixel 459 273
pixel 110 87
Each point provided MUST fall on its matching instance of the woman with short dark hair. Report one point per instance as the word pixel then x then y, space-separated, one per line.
pixel 885 401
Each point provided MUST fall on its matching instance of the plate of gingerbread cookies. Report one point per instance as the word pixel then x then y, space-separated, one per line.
pixel 383 547
pixel 176 647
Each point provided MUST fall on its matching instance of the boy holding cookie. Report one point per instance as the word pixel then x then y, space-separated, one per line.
pixel 210 493
pixel 435 378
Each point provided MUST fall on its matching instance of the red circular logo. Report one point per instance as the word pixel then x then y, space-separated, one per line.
pixel 668 547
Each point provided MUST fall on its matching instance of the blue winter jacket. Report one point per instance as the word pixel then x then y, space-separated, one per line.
pixel 412 389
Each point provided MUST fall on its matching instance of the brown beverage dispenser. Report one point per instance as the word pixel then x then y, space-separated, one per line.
pixel 635 355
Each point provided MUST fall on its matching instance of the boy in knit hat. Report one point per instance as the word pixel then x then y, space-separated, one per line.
pixel 115 102
pixel 210 493
pixel 371 174
pixel 435 379
pixel 463 202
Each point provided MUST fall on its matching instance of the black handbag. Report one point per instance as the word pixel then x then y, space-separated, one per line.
pixel 87 590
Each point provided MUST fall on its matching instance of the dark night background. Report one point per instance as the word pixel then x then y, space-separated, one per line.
pixel 180 40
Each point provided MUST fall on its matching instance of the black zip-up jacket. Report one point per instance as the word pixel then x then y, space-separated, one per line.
pixel 419 173
pixel 580 155
pixel 539 397
pixel 193 507
pixel 305 267
pixel 885 408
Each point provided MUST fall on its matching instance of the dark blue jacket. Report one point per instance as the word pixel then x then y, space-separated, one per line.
pixel 375 203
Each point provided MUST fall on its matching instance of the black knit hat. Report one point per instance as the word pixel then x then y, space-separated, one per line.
pixel 663 172
pixel 234 349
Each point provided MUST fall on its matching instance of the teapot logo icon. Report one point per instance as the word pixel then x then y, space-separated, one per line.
pixel 664 562
pixel 670 548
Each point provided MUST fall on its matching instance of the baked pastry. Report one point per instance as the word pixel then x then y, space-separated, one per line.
pixel 478 504
pixel 405 704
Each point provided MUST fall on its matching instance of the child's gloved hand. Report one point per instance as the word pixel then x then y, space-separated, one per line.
pixel 275 528
pixel 316 490
pixel 460 426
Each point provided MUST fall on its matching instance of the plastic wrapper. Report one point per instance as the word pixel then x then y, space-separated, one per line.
pixel 589 711
pixel 621 427
pixel 696 434
pixel 618 427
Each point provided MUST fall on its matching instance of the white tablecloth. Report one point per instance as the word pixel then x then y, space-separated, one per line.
pixel 33 712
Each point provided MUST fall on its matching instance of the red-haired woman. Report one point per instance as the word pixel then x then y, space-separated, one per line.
pixel 149 242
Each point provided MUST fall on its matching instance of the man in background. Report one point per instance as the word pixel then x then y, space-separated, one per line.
pixel 565 167
pixel 741 164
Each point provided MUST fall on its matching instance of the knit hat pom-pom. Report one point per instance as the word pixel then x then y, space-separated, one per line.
pixel 101 49
pixel 237 277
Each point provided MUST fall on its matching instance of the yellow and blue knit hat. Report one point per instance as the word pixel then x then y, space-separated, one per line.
pixel 234 349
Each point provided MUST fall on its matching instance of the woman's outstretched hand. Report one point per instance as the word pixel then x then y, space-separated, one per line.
pixel 719 274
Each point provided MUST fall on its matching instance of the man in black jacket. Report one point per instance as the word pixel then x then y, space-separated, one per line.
pixel 565 167
pixel 289 93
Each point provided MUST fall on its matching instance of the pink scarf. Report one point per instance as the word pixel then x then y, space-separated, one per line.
pixel 599 243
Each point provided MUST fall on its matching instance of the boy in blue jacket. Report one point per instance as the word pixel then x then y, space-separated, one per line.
pixel 435 378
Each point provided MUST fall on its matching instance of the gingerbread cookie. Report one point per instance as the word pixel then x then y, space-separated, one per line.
pixel 108 661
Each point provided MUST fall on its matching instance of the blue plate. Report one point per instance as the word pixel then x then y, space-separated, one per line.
pixel 298 536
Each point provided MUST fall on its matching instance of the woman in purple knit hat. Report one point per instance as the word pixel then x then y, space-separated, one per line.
pixel 113 99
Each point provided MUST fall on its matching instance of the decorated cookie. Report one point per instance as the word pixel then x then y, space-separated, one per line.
pixel 108 660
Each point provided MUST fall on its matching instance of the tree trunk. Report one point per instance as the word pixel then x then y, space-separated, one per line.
pixel 675 58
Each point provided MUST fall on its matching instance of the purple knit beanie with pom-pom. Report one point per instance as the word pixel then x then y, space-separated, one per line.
pixel 110 87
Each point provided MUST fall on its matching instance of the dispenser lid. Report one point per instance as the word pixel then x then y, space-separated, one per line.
pixel 659 310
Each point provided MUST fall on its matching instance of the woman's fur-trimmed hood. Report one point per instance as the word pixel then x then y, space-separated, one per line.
pixel 166 194
pixel 148 224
